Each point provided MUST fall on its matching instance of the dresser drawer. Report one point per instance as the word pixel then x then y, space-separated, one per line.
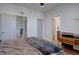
pixel 70 41
pixel 76 42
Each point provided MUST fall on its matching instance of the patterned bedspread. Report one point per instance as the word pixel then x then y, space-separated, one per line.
pixel 17 48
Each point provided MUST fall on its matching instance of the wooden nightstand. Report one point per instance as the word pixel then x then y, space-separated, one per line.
pixel 69 44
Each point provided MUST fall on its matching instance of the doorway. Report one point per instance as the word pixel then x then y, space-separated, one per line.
pixel 56 26
pixel 21 27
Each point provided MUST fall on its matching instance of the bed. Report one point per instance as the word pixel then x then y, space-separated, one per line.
pixel 19 47
pixel 30 46
pixel 44 46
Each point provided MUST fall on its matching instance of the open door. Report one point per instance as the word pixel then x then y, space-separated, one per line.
pixel 56 26
pixel 21 27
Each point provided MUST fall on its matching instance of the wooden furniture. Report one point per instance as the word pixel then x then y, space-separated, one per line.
pixel 76 42
pixel 70 42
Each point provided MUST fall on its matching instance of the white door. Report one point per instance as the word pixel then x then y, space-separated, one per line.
pixel 8 27
pixel 56 26
pixel 39 28
pixel 0 27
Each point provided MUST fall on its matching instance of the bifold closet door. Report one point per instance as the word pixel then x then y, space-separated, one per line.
pixel 0 27
pixel 8 27
pixel 39 28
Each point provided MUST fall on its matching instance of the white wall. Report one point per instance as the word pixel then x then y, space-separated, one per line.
pixel 31 15
pixel 68 14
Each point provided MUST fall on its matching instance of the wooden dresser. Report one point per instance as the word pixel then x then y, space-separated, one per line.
pixel 70 42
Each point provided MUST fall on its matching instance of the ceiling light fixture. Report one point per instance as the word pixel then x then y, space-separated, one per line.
pixel 42 4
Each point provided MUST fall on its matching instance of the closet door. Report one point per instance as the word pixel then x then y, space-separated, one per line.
pixel 39 28
pixel 0 26
pixel 8 27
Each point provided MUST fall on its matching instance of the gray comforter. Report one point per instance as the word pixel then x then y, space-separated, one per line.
pixel 45 47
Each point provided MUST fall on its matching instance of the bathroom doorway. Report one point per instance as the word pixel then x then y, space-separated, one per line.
pixel 21 27
pixel 56 26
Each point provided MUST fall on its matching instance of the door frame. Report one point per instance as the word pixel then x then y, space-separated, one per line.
pixel 24 18
pixel 55 27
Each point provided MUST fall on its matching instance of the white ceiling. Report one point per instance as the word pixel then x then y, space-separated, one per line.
pixel 36 6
